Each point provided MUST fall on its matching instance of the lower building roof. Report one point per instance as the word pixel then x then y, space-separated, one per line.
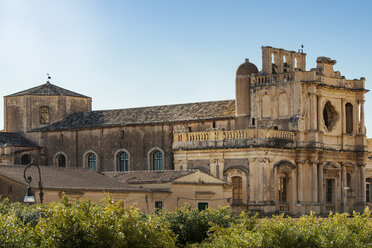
pixel 15 139
pixel 144 177
pixel 55 178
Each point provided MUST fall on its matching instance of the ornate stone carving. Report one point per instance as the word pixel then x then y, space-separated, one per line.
pixel 301 124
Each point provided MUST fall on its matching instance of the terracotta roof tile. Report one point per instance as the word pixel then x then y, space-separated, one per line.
pixel 139 177
pixel 15 139
pixel 47 89
pixel 146 115
pixel 66 179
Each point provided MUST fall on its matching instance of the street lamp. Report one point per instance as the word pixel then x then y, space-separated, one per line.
pixel 30 196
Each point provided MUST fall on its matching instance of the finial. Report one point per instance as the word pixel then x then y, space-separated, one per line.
pixel 246 60
pixel 301 50
pixel 49 77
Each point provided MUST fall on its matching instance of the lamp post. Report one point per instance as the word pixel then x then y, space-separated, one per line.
pixel 30 197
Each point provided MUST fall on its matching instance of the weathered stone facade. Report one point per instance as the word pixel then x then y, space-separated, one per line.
pixel 292 141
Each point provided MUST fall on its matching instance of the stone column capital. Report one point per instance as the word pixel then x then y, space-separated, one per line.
pixel 313 161
pixel 361 164
pixel 298 162
pixel 321 163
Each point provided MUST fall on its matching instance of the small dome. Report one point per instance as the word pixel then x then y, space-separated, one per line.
pixel 247 68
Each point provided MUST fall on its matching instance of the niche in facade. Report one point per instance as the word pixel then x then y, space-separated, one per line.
pixel 330 116
pixel 266 106
pixel 349 117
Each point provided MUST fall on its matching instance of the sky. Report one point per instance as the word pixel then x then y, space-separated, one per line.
pixel 142 53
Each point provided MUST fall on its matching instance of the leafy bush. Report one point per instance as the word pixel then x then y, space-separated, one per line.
pixel 106 224
pixel 338 230
pixel 192 226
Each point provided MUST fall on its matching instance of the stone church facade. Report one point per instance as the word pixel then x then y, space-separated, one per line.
pixel 293 140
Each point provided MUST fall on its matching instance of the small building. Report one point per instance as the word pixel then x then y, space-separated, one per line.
pixel 146 190
pixel 177 188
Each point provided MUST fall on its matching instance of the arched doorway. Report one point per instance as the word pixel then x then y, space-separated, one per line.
pixel 285 186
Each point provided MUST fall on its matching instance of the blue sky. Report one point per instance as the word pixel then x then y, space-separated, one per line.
pixel 140 53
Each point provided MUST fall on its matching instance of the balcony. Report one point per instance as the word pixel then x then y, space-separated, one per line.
pixel 272 78
pixel 234 139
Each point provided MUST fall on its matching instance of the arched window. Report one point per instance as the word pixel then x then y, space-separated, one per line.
pixel 25 159
pixel 44 115
pixel 123 161
pixel 92 161
pixel 349 117
pixel 157 159
pixel 237 190
pixel 61 160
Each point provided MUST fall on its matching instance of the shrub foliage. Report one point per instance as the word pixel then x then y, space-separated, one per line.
pixel 83 223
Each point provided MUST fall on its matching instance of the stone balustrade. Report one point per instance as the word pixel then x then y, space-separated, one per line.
pixel 253 137
pixel 233 138
pixel 354 84
pixel 272 78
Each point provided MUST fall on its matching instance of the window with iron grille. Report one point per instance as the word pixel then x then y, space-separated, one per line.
pixel 61 160
pixel 237 190
pixel 123 161
pixel 92 161
pixel 158 205
pixel 202 206
pixel 368 192
pixel 329 190
pixel 157 160
pixel 283 189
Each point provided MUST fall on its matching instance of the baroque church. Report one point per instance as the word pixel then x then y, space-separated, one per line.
pixel 293 140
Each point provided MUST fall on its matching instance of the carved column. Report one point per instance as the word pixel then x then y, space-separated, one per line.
pixel 293 189
pixel 308 112
pixel 262 192
pixel 320 183
pixel 260 181
pixel 320 112
pixel 361 117
pixel 344 190
pixel 300 181
pixel 343 116
pixel 221 163
pixel 253 179
pixel 357 118
pixel 363 182
pixel 314 169
pixel 313 109
pixel 212 167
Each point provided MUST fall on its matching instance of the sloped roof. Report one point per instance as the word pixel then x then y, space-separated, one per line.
pixel 146 115
pixel 66 179
pixel 47 89
pixel 140 177
pixel 15 139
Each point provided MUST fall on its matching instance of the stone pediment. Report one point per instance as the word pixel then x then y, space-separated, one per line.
pixel 331 166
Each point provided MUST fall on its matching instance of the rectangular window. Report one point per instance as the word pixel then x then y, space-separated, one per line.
pixel 283 189
pixel 158 205
pixel 237 190
pixel 10 189
pixel 368 192
pixel 329 190
pixel 202 206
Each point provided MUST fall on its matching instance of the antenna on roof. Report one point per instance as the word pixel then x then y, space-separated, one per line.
pixel 301 50
pixel 49 77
